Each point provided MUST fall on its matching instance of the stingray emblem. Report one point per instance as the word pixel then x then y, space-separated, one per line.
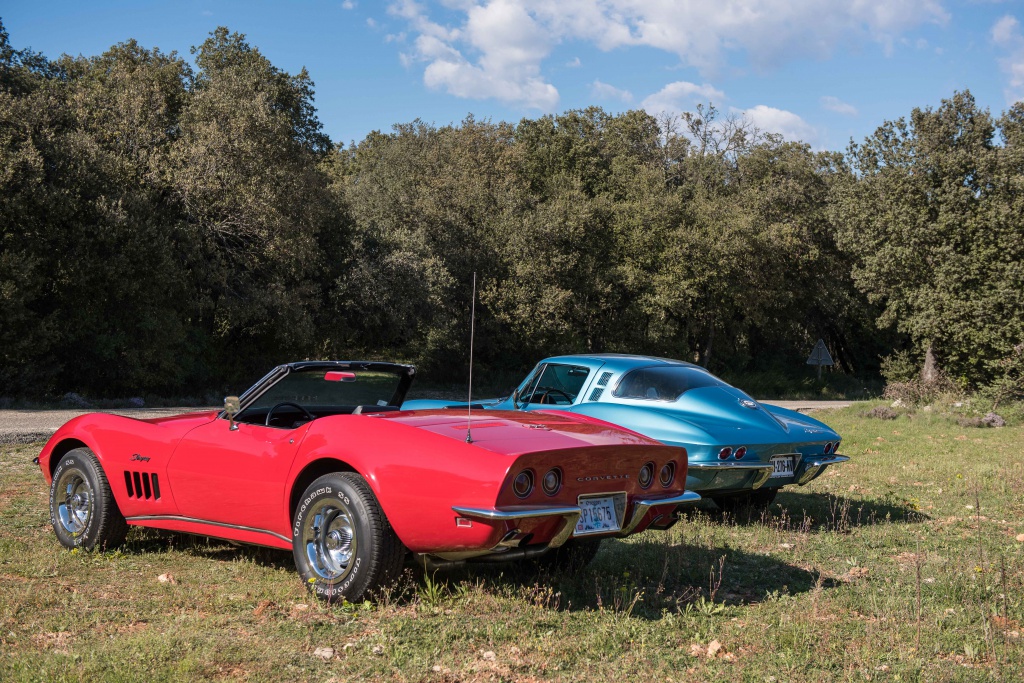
pixel 140 458
pixel 747 403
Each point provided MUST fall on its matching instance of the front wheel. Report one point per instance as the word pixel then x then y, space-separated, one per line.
pixel 343 545
pixel 83 511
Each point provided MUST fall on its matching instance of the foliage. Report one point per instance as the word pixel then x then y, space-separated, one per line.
pixel 933 219
pixel 168 229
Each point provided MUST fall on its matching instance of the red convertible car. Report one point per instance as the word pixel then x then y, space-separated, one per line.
pixel 317 458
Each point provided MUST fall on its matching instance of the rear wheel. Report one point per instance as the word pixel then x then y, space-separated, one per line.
pixel 756 500
pixel 343 545
pixel 83 511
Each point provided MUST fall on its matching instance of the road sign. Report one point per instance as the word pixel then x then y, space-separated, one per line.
pixel 820 356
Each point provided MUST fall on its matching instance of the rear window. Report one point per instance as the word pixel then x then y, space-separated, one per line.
pixel 663 382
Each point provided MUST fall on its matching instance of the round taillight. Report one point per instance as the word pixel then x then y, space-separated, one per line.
pixel 828 448
pixel 740 452
pixel 835 449
pixel 552 481
pixel 724 453
pixel 522 485
pixel 667 474
pixel 646 475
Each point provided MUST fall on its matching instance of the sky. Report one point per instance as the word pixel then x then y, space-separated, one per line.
pixel 820 71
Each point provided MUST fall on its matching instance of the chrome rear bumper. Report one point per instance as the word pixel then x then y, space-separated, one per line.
pixel 764 470
pixel 570 514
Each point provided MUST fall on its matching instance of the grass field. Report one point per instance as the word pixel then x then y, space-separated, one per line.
pixel 906 564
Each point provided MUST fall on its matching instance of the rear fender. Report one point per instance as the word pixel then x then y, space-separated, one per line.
pixel 652 423
pixel 416 476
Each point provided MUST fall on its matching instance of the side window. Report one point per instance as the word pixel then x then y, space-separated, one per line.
pixel 559 385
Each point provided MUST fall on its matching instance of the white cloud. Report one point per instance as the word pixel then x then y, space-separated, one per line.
pixel 1006 34
pixel 1006 30
pixel 510 46
pixel 503 43
pixel 838 106
pixel 603 91
pixel 785 123
pixel 574 63
pixel 348 4
pixel 681 96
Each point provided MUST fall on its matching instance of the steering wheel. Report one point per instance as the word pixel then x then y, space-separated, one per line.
pixel 549 390
pixel 270 412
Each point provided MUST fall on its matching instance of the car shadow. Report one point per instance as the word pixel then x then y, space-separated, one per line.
pixel 142 540
pixel 809 511
pixel 645 578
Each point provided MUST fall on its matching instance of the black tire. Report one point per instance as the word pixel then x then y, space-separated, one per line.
pixel 758 500
pixel 573 555
pixel 343 544
pixel 83 511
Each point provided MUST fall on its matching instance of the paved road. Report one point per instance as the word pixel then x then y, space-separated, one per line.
pixel 26 426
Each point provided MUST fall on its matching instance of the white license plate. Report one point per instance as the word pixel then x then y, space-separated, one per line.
pixel 597 515
pixel 785 465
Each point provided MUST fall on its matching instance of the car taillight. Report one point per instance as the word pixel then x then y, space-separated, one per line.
pixel 828 448
pixel 522 485
pixel 552 481
pixel 724 453
pixel 667 474
pixel 646 475
pixel 740 452
pixel 835 449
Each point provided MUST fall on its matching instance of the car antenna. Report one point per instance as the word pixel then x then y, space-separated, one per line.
pixel 469 401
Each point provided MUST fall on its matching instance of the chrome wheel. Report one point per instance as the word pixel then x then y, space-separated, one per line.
pixel 74 510
pixel 329 536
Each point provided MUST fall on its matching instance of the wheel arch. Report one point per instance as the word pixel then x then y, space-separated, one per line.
pixel 310 473
pixel 64 447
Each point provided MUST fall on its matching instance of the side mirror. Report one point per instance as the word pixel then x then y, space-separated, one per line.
pixel 232 406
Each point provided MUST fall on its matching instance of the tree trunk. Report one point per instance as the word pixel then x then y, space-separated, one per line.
pixel 930 371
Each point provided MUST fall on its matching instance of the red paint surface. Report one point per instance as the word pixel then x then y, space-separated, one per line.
pixel 417 463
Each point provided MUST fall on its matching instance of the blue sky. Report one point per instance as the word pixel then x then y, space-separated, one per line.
pixel 818 70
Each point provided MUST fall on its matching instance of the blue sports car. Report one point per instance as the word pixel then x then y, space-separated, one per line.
pixel 741 452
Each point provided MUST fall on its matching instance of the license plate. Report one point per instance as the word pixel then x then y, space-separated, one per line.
pixel 785 465
pixel 597 515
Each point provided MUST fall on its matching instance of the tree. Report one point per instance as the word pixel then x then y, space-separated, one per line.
pixel 927 220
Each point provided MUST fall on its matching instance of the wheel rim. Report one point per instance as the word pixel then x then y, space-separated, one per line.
pixel 329 536
pixel 74 508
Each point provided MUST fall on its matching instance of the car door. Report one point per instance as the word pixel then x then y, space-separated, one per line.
pixel 234 476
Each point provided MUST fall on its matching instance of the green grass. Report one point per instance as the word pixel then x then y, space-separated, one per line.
pixel 902 565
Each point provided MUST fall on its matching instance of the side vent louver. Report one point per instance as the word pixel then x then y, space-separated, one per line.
pixel 142 485
pixel 603 381
pixel 596 394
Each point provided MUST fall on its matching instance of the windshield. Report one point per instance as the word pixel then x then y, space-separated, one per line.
pixel 663 382
pixel 557 385
pixel 330 388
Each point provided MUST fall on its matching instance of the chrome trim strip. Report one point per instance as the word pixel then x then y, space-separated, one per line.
pixel 833 460
pixel 813 467
pixel 517 512
pixel 569 515
pixel 642 506
pixel 729 465
pixel 193 520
